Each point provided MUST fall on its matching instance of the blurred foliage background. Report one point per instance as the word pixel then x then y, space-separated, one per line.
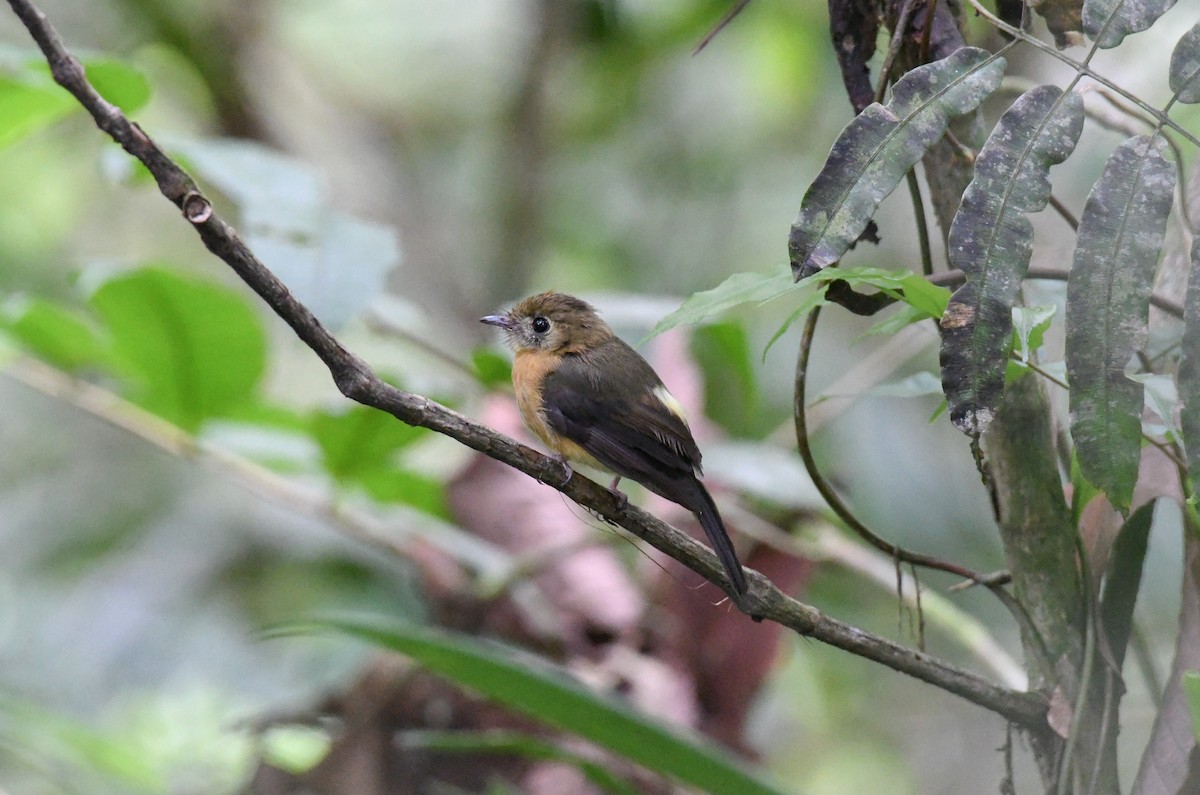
pixel 407 167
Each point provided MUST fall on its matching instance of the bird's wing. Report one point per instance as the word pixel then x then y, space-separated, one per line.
pixel 634 431
pixel 619 412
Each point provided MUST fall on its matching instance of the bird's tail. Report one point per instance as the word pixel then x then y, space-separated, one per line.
pixel 701 503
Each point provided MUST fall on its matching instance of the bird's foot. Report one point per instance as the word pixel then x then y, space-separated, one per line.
pixel 622 497
pixel 567 472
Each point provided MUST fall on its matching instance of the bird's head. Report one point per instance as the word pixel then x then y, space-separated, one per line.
pixel 551 322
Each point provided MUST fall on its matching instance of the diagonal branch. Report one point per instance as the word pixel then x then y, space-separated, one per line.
pixel 358 382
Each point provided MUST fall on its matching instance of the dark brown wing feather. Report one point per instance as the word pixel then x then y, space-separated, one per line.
pixel 604 401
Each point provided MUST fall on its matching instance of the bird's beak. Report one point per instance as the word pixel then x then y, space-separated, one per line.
pixel 503 321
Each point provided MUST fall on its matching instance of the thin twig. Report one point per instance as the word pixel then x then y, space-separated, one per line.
pixel 1083 69
pixel 738 7
pixel 831 497
pixel 930 15
pixel 359 382
pixel 885 71
pixel 914 193
pixel 1064 212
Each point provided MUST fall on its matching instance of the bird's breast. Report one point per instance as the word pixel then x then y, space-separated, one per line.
pixel 529 372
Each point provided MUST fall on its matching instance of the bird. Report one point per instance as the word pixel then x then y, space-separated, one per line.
pixel 594 400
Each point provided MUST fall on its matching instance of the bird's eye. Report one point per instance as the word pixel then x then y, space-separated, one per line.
pixel 540 325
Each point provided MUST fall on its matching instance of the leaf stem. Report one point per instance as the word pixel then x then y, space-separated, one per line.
pixel 831 497
pixel 1082 69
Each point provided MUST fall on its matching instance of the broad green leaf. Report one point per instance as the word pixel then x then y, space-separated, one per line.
pixel 730 390
pixel 360 440
pixel 195 349
pixel 928 299
pixel 1191 686
pixel 119 83
pixel 1123 579
pixel 1108 22
pixel 1189 371
pixel 1108 301
pixel 1185 67
pixel 27 106
pixel 515 743
pixel 991 242
pixel 880 146
pixel 533 687
pixel 738 289
pixel 54 333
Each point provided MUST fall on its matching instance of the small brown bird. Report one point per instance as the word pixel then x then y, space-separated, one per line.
pixel 594 400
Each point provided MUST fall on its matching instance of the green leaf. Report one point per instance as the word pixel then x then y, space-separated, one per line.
pixel 880 146
pixel 922 299
pixel 406 487
pixel 515 743
pixel 1108 302
pixel 1191 686
pixel 1161 398
pixel 893 322
pixel 1185 67
pixel 26 107
pixel 1030 324
pixel 811 300
pixel 928 299
pixel 991 241
pixel 492 369
pixel 1189 371
pixel 923 296
pixel 1123 579
pixel 360 440
pixel 531 686
pixel 730 390
pixel 738 289
pixel 195 349
pixel 119 83
pixel 54 333
pixel 1108 22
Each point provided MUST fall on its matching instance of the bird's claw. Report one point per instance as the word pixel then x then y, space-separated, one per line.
pixel 565 469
